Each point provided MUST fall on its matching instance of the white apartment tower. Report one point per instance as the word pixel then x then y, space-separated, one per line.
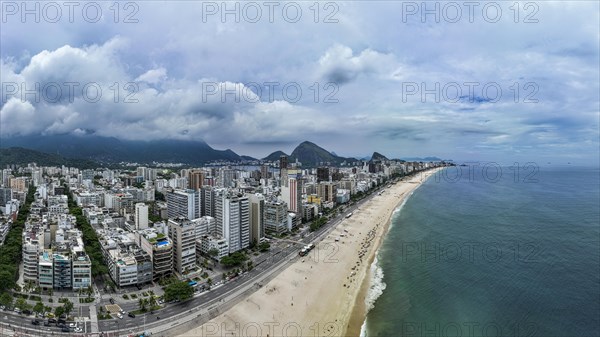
pixel 141 216
pixel 233 220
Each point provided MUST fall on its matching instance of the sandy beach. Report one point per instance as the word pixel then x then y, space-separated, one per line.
pixel 324 292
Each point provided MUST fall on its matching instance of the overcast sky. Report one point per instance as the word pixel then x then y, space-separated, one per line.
pixel 361 67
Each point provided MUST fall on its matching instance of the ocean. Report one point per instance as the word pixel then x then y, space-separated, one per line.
pixel 515 253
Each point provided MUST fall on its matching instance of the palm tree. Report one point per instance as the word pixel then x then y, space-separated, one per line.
pixel 152 301
pixel 142 304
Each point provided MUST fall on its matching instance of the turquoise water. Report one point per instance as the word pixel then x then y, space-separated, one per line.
pixel 504 258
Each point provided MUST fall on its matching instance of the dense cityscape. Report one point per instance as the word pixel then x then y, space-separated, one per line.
pixel 86 250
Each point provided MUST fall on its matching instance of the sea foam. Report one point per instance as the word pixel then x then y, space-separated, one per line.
pixel 376 288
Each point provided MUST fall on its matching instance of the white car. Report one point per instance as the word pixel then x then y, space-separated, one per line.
pixel 78 330
pixel 120 316
pixel 73 325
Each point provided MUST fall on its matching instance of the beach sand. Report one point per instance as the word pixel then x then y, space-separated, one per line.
pixel 324 292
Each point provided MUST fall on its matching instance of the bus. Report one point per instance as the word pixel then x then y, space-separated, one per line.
pixel 306 249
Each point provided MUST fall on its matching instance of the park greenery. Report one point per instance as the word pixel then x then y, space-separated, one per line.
pixel 10 251
pixel 90 239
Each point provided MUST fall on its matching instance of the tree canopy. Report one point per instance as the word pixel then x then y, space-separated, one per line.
pixel 179 290
pixel 234 259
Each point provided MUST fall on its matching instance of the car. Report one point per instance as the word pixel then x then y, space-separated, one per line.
pixel 131 314
pixel 2 307
pixel 35 322
pixel 78 329
pixel 112 301
pixel 72 325
pixel 157 317
pixel 27 312
pixel 65 329
pixel 61 321
pixel 120 316
pixel 61 325
pixel 51 320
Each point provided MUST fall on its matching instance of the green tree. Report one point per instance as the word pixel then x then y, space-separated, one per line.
pixel 7 277
pixel 264 246
pixel 39 307
pixel 152 301
pixel 22 304
pixel 213 253
pixel 58 311
pixel 68 306
pixel 233 260
pixel 6 299
pixel 180 290
pixel 142 304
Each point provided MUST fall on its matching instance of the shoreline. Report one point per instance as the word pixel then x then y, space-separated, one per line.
pixel 359 311
pixel 322 293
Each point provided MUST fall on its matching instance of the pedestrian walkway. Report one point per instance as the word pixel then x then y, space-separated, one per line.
pixel 94 319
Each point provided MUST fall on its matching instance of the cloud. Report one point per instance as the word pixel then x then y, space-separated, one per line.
pixel 339 65
pixel 16 118
pixel 178 84
pixel 153 76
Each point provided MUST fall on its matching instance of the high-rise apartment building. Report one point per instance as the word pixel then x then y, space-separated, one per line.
pixel 183 233
pixel 327 191
pixel 141 216
pixel 160 248
pixel 183 203
pixel 196 179
pixel 275 217
pixel 291 193
pixel 257 211
pixel 233 220
pixel 322 174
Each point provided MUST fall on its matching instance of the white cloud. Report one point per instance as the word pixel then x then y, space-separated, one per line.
pixel 153 76
pixel 370 53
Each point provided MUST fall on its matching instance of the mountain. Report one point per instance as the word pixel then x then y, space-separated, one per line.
pixel 422 159
pixel 378 156
pixel 248 158
pixel 113 150
pixel 275 156
pixel 21 156
pixel 310 154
